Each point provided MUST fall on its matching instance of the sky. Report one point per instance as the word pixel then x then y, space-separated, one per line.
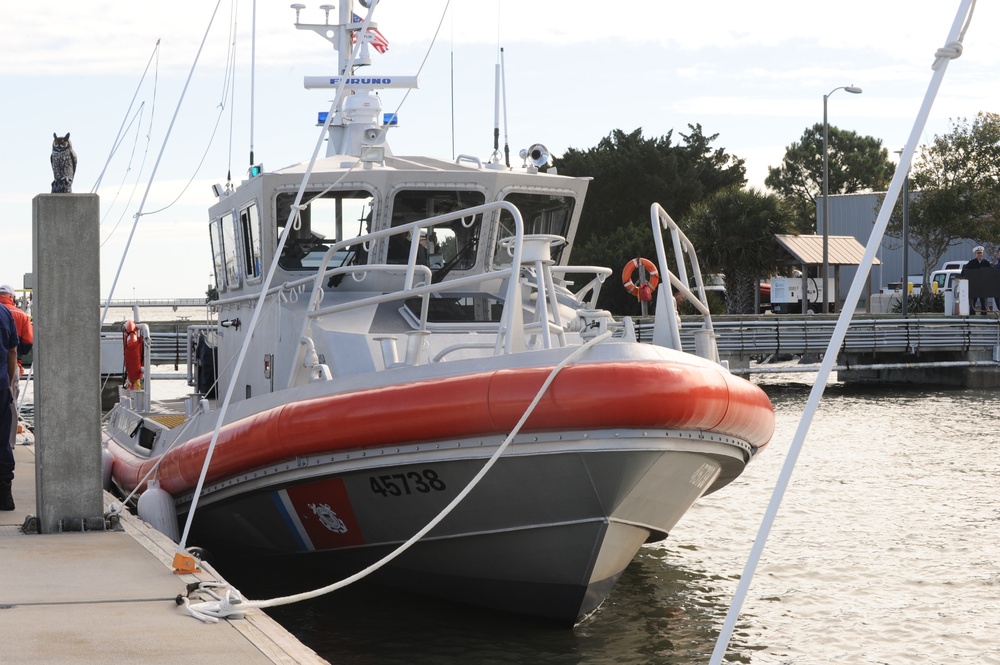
pixel 113 73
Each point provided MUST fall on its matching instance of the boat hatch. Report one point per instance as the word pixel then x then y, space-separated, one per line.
pixel 169 420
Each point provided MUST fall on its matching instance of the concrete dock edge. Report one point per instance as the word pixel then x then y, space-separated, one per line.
pixel 96 597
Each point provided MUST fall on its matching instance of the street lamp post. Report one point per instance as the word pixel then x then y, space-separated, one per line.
pixel 905 305
pixel 826 195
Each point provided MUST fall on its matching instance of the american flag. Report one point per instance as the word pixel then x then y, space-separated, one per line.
pixel 380 44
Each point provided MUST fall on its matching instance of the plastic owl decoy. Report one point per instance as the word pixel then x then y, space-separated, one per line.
pixel 63 161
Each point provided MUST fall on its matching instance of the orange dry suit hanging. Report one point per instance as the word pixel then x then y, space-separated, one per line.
pixel 134 355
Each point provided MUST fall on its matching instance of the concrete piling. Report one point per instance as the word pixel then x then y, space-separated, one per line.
pixel 66 264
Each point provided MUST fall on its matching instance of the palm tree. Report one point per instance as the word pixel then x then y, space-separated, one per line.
pixel 733 231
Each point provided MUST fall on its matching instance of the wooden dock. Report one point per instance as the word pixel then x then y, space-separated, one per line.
pixel 100 597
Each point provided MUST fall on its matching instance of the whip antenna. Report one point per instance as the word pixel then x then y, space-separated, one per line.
pixel 503 79
pixel 496 110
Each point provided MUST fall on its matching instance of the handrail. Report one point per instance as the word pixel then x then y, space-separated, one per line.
pixel 665 329
pixel 510 333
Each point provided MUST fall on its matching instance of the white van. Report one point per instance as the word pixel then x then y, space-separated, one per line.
pixel 945 278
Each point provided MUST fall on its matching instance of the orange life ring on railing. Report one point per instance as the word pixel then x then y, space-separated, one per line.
pixel 630 268
pixel 133 351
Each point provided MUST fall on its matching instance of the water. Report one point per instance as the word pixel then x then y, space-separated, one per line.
pixel 886 550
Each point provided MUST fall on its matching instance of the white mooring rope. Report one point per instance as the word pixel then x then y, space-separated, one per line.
pixel 953 49
pixel 224 607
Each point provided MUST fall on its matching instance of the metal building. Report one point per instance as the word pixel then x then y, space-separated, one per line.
pixel 854 215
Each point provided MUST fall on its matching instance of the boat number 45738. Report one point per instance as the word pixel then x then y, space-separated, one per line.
pixel 398 484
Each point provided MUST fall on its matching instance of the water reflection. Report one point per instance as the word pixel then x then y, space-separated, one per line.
pixel 661 611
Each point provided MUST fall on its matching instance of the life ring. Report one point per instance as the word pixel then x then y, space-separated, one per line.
pixel 133 351
pixel 630 268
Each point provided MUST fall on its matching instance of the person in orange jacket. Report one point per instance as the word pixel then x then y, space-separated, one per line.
pixel 26 338
pixel 21 321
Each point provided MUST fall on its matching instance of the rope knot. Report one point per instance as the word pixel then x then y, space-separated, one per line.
pixel 949 51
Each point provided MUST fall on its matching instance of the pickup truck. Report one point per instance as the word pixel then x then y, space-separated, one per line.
pixel 945 278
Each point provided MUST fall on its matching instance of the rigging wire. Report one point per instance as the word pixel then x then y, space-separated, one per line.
pixel 951 50
pixel 229 81
pixel 154 56
pixel 156 166
pixel 128 170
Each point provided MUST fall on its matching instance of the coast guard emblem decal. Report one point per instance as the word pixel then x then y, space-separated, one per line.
pixel 328 518
pixel 321 515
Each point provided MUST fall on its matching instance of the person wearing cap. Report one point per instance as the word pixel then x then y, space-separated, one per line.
pixel 22 323
pixel 8 349
pixel 975 264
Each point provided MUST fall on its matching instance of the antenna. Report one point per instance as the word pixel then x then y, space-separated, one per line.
pixel 253 68
pixel 496 109
pixel 503 75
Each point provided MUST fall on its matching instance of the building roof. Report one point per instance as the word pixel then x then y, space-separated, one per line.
pixel 808 250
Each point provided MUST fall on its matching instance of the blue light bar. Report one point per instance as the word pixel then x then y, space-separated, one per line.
pixel 321 117
pixel 390 119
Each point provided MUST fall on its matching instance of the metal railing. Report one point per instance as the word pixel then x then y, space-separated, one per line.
pixel 769 335
pixel 773 335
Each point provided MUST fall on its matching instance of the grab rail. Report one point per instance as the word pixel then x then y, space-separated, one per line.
pixel 666 331
pixel 510 332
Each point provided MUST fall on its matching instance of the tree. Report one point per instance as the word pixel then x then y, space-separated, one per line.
pixel 733 231
pixel 855 164
pixel 957 183
pixel 631 172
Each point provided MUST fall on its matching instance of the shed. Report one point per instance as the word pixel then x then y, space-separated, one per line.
pixel 806 251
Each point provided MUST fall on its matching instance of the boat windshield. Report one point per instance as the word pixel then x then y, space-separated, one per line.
pixel 542 213
pixel 333 216
pixel 443 247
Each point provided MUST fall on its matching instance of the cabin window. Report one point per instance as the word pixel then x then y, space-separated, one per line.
pixel 250 227
pixel 230 231
pixel 541 213
pixel 444 247
pixel 218 253
pixel 328 218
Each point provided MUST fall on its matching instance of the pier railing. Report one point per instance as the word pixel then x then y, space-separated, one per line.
pixel 753 337
pixel 759 337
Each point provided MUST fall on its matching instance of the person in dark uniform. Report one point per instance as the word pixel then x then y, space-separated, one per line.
pixel 996 297
pixel 975 264
pixel 8 350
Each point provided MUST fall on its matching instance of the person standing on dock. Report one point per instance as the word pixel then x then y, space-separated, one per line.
pixel 26 338
pixel 996 297
pixel 8 348
pixel 21 321
pixel 976 263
